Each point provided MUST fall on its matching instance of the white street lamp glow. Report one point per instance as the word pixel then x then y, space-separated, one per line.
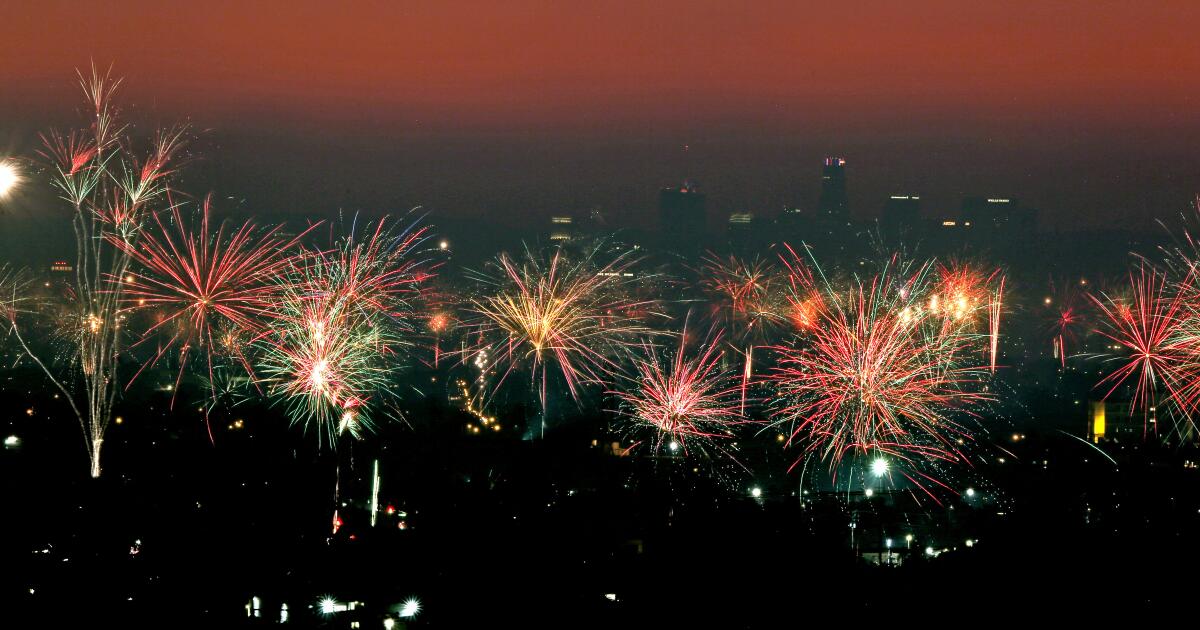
pixel 9 178
pixel 879 467
pixel 411 607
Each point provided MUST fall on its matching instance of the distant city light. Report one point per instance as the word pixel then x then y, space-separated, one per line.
pixel 411 607
pixel 756 492
pixel 328 606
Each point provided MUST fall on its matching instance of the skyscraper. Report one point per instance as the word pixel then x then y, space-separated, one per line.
pixel 741 232
pixel 999 224
pixel 682 217
pixel 901 215
pixel 833 202
pixel 562 228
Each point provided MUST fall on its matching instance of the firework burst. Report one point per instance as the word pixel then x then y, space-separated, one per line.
pixel 1152 325
pixel 210 288
pixel 111 191
pixel 748 296
pixel 572 316
pixel 881 374
pixel 337 337
pixel 687 401
pixel 1064 316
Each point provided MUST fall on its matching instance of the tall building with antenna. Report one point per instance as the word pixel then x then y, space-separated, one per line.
pixel 682 216
pixel 833 202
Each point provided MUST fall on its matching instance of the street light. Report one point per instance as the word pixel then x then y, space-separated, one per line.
pixel 411 607
pixel 9 177
pixel 879 467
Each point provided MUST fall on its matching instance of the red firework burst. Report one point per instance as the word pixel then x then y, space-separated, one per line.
pixel 684 399
pixel 878 375
pixel 202 280
pixel 1151 326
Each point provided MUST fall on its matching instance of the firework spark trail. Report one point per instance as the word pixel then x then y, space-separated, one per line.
pixel 1151 324
pixel 749 296
pixel 572 315
pixel 995 309
pixel 332 346
pixel 686 399
pixel 805 302
pixel 882 371
pixel 381 274
pixel 1064 318
pixel 202 280
pixel 111 192
pixel 750 299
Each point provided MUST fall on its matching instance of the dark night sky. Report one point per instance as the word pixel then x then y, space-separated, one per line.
pixel 520 108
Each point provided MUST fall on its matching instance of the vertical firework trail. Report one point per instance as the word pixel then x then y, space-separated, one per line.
pixel 110 192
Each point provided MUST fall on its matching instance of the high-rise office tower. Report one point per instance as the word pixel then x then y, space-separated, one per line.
pixel 682 216
pixel 999 224
pixel 901 215
pixel 741 231
pixel 562 228
pixel 833 202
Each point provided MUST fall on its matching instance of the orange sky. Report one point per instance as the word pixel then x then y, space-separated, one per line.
pixel 1087 109
pixel 630 59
